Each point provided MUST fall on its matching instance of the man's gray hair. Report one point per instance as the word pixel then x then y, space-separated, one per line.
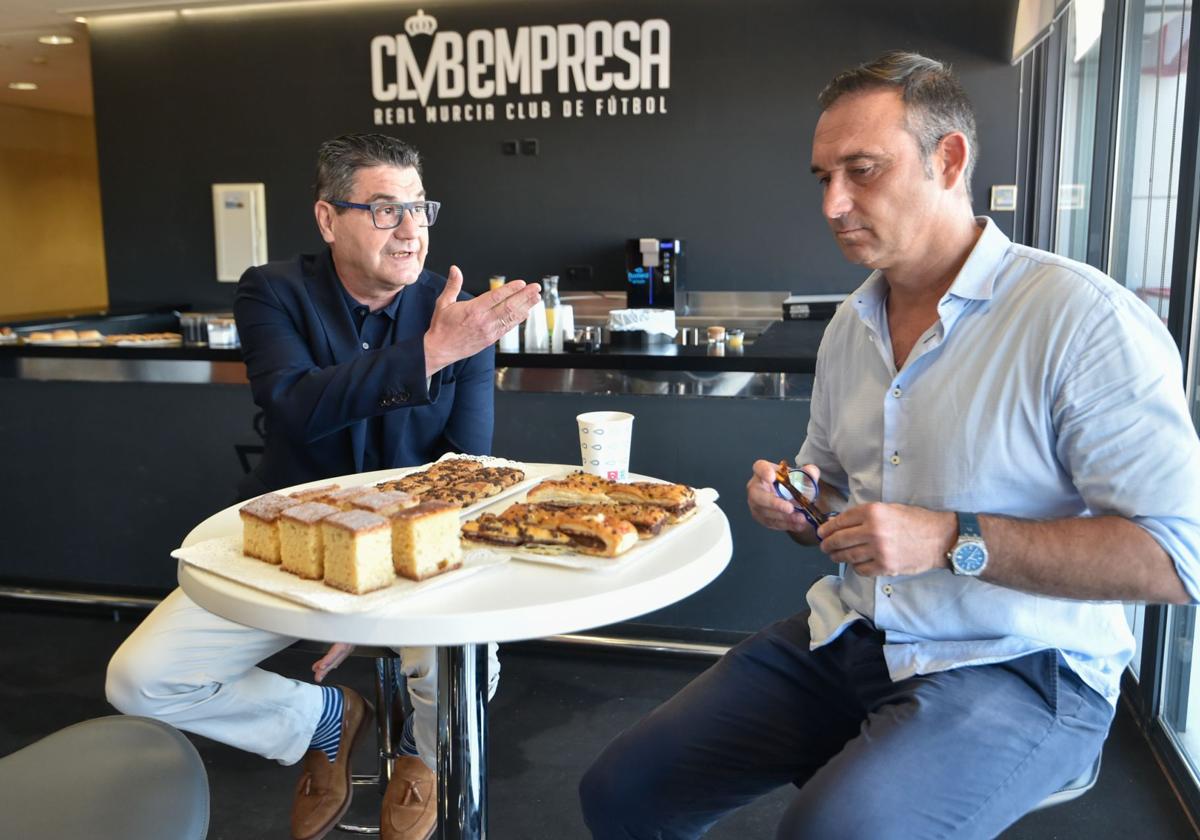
pixel 339 159
pixel 935 102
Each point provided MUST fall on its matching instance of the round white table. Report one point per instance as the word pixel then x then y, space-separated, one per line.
pixel 513 601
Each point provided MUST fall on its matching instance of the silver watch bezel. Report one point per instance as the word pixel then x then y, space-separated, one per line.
pixel 962 542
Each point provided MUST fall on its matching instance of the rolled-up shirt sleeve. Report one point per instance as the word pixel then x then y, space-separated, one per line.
pixel 1124 432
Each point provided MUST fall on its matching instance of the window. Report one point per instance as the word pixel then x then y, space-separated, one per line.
pixel 1155 70
pixel 1149 141
pixel 1078 133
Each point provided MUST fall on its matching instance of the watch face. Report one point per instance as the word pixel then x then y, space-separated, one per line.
pixel 970 557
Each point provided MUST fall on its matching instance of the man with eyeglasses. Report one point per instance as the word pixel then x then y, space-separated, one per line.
pixel 361 359
pixel 1005 435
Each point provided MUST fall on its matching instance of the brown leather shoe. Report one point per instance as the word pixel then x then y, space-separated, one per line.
pixel 324 790
pixel 410 804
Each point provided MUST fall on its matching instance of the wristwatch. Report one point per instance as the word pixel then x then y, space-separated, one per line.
pixel 969 556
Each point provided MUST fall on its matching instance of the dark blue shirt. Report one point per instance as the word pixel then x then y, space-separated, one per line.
pixel 375 330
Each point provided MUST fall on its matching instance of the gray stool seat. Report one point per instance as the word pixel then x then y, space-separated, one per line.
pixel 111 778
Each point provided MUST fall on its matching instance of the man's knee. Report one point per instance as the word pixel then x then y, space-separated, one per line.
pixel 125 684
pixel 139 681
pixel 853 818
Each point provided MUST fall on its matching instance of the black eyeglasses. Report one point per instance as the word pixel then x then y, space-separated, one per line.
pixel 387 215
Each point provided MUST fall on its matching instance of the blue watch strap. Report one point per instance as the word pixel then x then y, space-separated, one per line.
pixel 968 525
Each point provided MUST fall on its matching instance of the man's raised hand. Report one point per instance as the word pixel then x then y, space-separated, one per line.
pixel 462 328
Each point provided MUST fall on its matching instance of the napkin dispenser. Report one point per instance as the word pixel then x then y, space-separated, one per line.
pixel 653 276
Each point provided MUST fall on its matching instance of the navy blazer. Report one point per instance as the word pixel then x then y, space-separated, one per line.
pixel 317 386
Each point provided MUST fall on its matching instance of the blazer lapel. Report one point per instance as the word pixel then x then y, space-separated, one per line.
pixel 326 291
pixel 342 337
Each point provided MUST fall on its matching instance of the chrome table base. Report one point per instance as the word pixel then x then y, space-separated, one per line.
pixel 462 742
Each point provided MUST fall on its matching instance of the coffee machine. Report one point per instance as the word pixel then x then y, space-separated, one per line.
pixel 653 279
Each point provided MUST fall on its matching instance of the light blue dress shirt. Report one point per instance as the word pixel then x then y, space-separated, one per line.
pixel 1045 390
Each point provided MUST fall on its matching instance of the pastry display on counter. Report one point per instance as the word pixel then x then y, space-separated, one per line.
pixel 95 338
pixel 154 339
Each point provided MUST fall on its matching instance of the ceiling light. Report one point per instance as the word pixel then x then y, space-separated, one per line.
pixel 81 20
pixel 120 18
pixel 22 86
pixel 56 40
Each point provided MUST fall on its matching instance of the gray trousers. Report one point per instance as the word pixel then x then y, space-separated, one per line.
pixel 956 754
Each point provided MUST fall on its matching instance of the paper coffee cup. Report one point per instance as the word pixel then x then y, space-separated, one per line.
pixel 604 438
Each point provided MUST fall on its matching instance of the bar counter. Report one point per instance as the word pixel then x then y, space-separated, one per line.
pixel 783 347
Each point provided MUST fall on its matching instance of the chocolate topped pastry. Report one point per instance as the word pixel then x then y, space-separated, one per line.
pixel 504 476
pixel 575 489
pixel 462 494
pixel 678 500
pixel 548 530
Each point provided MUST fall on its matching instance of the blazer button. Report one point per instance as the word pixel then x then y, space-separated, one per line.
pixel 402 396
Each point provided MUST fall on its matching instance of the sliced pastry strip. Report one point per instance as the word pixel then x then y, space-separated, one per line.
pixel 678 500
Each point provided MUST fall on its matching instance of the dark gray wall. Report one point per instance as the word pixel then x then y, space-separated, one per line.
pixel 181 105
pixel 115 475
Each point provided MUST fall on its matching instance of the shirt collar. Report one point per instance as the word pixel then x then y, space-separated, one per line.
pixel 975 281
pixel 390 310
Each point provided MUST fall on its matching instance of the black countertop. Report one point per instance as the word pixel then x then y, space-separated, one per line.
pixel 784 347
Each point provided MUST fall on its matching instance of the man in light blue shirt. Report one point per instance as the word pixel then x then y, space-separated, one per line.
pixel 1007 439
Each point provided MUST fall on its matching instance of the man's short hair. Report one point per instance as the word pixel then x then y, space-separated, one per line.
pixel 339 159
pixel 935 102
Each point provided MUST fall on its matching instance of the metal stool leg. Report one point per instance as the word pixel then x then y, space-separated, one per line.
pixel 386 737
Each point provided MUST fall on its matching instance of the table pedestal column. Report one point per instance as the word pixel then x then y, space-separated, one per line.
pixel 462 742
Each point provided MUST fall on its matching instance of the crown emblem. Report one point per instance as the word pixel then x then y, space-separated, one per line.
pixel 420 24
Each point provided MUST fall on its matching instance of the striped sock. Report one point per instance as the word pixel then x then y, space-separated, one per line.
pixel 328 735
pixel 408 743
